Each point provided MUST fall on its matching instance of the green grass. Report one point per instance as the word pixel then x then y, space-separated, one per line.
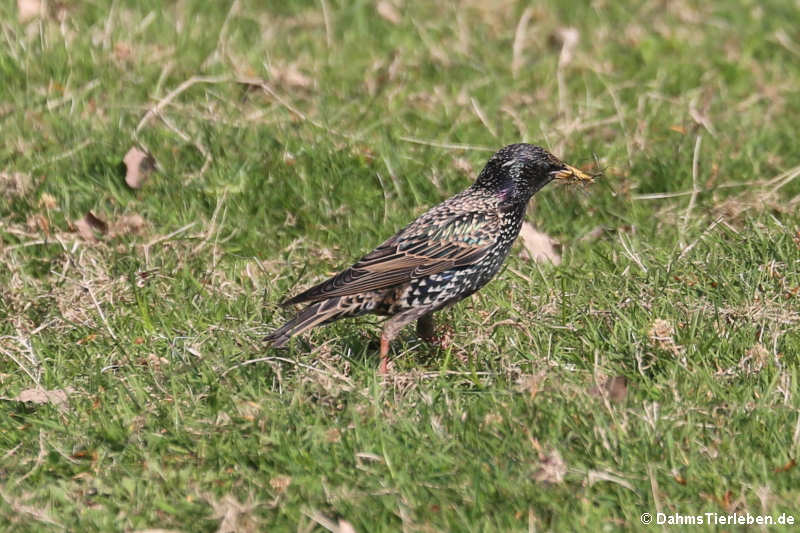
pixel 692 298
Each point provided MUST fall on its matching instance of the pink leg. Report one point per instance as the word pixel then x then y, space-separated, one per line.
pixel 384 355
pixel 392 328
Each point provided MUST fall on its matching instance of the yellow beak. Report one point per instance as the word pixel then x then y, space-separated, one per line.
pixel 573 174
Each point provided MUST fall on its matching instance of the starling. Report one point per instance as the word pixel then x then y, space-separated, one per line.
pixel 445 255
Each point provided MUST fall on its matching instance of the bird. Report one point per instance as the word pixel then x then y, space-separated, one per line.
pixel 445 255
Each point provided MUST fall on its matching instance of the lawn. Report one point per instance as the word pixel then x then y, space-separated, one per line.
pixel 653 370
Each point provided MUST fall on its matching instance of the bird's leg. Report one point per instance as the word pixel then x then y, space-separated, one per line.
pixel 393 327
pixel 426 330
pixel 425 327
pixel 384 354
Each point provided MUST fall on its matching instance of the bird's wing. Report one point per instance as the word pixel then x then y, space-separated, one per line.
pixel 429 245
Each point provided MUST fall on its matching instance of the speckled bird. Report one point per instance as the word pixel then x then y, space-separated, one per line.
pixel 445 255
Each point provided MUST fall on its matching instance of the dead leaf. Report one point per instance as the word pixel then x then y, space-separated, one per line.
pixel 663 334
pixel 280 483
pixel 234 516
pixel 551 468
pixel 291 76
pixel 29 9
pixel 569 38
pixel 757 357
pixel 531 383
pixel 388 11
pixel 127 224
pixel 539 246
pixel 614 388
pixel 88 225
pixel 786 467
pixel 333 435
pixel 593 234
pixel 38 396
pixel 678 477
pixel 138 165
pixel 14 184
pixel 346 527
pixel 617 388
pixel 463 166
pixel 38 222
pixel 48 201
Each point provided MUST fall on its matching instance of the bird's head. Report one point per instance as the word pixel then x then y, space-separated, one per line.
pixel 517 171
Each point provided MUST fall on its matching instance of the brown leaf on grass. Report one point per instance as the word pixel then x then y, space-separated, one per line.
pixel 88 225
pixel 615 388
pixel 388 11
pixel 127 224
pixel 280 483
pixel 48 201
pixel 38 222
pixel 138 166
pixel 290 76
pixel 593 234
pixel 753 362
pixel 538 246
pixel 531 383
pixel 663 334
pixel 30 9
pixel 785 467
pixel 551 468
pixel 14 183
pixel 235 517
pixel 463 166
pixel 346 527
pixel 568 37
pixel 39 396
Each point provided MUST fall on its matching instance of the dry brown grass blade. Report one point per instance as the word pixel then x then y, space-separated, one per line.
pixel 519 41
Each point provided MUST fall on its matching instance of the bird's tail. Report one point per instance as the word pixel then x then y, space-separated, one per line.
pixel 313 315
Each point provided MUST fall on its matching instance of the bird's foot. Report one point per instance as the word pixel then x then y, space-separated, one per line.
pixel 384 368
pixel 443 338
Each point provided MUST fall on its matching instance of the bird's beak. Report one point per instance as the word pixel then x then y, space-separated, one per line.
pixel 572 174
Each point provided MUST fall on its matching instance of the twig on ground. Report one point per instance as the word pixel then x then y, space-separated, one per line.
pixel 197 144
pixel 69 153
pixel 695 190
pixel 686 249
pixel 482 117
pixel 30 356
pixel 34 512
pixel 71 95
pixel 273 358
pixel 629 251
pixel 445 144
pixel 88 289
pixel 161 104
